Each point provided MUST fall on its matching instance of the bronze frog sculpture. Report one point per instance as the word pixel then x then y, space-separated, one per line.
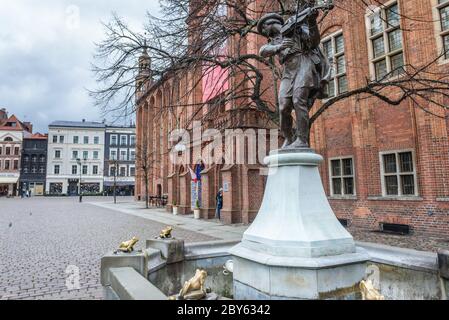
pixel 128 246
pixel 166 233
pixel 369 292
pixel 193 289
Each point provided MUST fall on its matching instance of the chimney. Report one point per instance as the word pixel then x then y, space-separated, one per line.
pixel 29 126
pixel 3 113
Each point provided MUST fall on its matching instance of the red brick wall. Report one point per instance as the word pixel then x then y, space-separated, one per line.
pixel 362 128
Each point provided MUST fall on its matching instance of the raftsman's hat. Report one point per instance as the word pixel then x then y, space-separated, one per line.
pixel 267 17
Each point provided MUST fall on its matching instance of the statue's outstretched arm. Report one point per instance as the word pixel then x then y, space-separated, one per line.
pixel 314 31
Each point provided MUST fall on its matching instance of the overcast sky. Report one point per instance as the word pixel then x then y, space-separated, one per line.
pixel 46 51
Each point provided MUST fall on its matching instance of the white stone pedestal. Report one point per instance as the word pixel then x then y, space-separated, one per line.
pixel 296 248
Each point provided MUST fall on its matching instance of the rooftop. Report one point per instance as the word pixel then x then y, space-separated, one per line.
pixel 14 124
pixel 78 124
pixel 120 127
pixel 37 136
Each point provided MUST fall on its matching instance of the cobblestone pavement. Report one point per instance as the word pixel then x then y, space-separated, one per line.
pixel 416 242
pixel 41 237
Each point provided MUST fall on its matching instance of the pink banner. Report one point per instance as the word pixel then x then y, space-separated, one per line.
pixel 215 82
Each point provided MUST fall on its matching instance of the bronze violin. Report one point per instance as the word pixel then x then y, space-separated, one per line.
pixel 294 23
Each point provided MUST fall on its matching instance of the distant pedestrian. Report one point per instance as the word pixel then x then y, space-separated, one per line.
pixel 219 199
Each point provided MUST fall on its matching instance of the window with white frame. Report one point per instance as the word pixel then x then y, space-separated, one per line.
pixel 113 154
pixel 96 155
pixel 334 50
pixel 74 169
pixel 76 139
pixel 342 177
pixel 74 155
pixel 399 174
pixel 113 140
pixel 96 140
pixel 386 45
pixel 132 171
pixel 95 170
pixel 85 155
pixel 57 154
pixel 86 140
pixel 85 169
pixel 443 15
pixel 123 140
pixel 123 155
pixel 132 140
pixel 57 169
pixel 112 171
pixel 132 155
pixel 122 171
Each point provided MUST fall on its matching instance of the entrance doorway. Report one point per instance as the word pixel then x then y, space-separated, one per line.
pixel 72 189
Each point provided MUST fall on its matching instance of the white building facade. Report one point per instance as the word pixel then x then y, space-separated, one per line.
pixel 75 158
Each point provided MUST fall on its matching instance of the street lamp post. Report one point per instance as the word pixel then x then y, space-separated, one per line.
pixel 115 182
pixel 115 164
pixel 78 161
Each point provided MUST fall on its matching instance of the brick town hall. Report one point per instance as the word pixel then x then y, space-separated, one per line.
pixel 385 166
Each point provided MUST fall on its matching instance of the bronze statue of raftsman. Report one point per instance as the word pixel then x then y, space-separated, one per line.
pixel 306 70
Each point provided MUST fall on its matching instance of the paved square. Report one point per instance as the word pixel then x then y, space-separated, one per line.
pixel 42 238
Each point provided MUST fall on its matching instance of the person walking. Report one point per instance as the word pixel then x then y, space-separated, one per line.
pixel 219 199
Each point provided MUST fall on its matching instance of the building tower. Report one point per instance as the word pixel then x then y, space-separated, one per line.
pixel 144 76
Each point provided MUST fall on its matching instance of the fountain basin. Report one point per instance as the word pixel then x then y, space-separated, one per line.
pixel 400 274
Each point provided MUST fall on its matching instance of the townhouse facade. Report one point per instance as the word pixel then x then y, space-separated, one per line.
pixel 75 158
pixel 33 168
pixel 12 133
pixel 120 160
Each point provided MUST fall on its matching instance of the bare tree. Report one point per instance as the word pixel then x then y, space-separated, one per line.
pixel 144 164
pixel 194 37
